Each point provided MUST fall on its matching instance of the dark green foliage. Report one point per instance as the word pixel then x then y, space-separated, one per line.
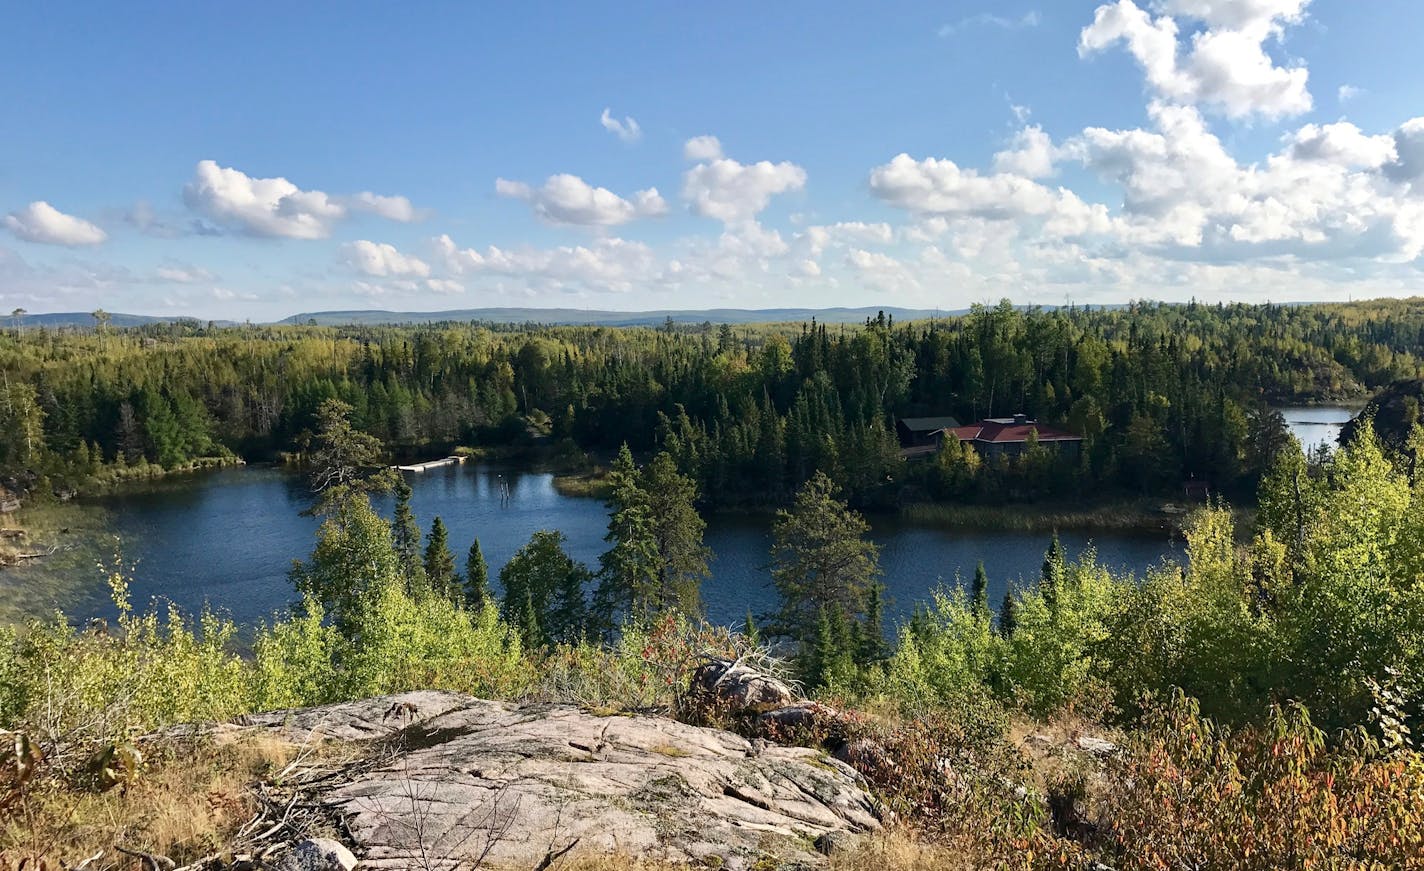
pixel 405 532
pixel 871 629
pixel 440 563
pixel 1392 413
pixel 477 591
pixel 750 629
pixel 1051 575
pixel 656 560
pixel 827 576
pixel 979 590
pixel 544 591
pixel 1159 392
pixel 1008 614
pixel 344 462
pixel 827 655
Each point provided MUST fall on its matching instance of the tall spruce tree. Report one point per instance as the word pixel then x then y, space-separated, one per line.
pixel 544 591
pixel 439 562
pixel 979 592
pixel 872 630
pixel 1051 578
pixel 656 561
pixel 1008 614
pixel 405 532
pixel 477 591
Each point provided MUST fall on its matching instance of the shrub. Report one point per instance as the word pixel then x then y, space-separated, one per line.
pixel 1196 795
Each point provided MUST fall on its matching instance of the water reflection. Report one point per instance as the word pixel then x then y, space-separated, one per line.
pixel 228 538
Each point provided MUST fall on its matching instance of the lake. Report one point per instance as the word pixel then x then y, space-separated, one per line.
pixel 227 538
pixel 1316 426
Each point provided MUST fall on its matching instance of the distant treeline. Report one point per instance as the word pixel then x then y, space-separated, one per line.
pixel 1159 392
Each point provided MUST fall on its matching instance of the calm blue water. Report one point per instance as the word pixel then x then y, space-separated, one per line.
pixel 1316 426
pixel 227 538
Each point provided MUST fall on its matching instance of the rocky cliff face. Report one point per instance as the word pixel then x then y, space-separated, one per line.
pixel 447 781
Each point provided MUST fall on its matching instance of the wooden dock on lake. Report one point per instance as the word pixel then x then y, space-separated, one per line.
pixel 433 464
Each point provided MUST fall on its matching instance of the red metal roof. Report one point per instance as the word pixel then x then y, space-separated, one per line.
pixel 995 432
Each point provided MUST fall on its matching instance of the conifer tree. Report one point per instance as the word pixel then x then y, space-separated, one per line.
pixel 439 562
pixel 872 630
pixel 749 629
pixel 820 558
pixel 1052 572
pixel 657 560
pixel 544 591
pixel 344 461
pixel 405 532
pixel 477 591
pixel 979 592
pixel 1008 614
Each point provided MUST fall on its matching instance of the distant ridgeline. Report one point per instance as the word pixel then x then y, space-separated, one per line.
pixel 87 319
pixel 583 317
pixel 1153 396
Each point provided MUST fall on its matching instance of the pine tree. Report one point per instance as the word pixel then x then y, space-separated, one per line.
pixel 678 531
pixel 543 591
pixel 439 562
pixel 405 532
pixel 820 558
pixel 1008 614
pixel 872 631
pixel 657 560
pixel 979 592
pixel 1052 572
pixel 344 461
pixel 750 630
pixel 477 591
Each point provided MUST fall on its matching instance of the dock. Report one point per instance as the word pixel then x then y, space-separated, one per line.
pixel 433 464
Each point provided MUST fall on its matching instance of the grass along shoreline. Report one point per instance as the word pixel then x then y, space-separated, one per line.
pixel 1146 516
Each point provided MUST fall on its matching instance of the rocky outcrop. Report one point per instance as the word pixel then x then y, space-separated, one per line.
pixel 1392 412
pixel 454 780
pixel 317 854
pixel 733 687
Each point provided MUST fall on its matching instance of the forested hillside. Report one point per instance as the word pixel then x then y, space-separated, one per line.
pixel 1160 393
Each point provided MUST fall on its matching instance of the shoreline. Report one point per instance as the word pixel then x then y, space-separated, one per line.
pixel 1146 517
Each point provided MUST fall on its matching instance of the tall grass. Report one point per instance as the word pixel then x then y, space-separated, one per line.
pixel 1133 516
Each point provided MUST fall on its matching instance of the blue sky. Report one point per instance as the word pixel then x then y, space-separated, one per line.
pixel 290 157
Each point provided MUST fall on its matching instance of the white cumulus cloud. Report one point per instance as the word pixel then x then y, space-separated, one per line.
pixel 936 186
pixel 1225 66
pixel 383 260
pixel 1031 155
pixel 700 148
pixel 276 207
pixel 568 199
pixel 40 222
pixel 1342 143
pixel 731 192
pixel 397 209
pixel 606 265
